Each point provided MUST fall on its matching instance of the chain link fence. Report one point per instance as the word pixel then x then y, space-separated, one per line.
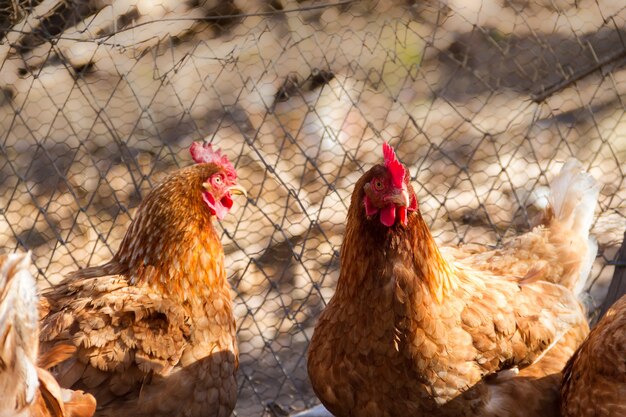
pixel 483 100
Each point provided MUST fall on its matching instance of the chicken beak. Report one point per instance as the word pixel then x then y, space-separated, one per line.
pixel 238 189
pixel 233 189
pixel 399 197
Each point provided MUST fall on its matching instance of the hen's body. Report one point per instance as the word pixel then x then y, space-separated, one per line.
pixel 594 380
pixel 154 327
pixel 26 389
pixel 414 331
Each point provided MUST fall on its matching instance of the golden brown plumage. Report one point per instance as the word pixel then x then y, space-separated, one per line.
pixel 154 328
pixel 594 380
pixel 26 388
pixel 415 330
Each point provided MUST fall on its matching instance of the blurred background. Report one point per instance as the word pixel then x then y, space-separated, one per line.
pixel 483 99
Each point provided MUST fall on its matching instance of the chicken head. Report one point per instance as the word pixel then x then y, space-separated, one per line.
pixel 388 192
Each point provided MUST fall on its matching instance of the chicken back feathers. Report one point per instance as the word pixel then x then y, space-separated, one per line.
pixel 154 328
pixel 594 379
pixel 28 390
pixel 415 330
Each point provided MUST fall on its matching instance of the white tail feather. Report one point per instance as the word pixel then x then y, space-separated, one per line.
pixel 585 269
pixel 573 199
pixel 19 333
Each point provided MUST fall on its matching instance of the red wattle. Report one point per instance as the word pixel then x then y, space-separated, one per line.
pixel 388 215
pixel 402 211
pixel 217 208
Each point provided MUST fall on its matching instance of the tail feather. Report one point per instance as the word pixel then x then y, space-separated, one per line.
pixel 573 197
pixel 60 402
pixel 79 404
pixel 572 202
pixel 25 388
pixel 585 269
pixel 56 355
pixel 19 333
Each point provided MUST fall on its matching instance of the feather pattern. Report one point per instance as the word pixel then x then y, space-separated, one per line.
pixel 153 328
pixel 417 330
pixel 594 379
pixel 28 390
pixel 18 333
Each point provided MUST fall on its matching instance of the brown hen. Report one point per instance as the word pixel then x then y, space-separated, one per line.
pixel 417 330
pixel 26 388
pixel 154 327
pixel 594 380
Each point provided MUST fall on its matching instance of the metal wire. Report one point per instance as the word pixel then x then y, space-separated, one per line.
pixel 483 101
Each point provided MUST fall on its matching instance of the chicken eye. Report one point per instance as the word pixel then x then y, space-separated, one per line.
pixel 378 184
pixel 217 180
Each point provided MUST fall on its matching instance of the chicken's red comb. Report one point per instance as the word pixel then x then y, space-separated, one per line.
pixel 204 153
pixel 395 167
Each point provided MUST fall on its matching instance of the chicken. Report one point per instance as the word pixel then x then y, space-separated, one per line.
pixel 415 330
pixel 154 328
pixel 594 379
pixel 28 390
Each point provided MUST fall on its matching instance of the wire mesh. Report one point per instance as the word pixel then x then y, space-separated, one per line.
pixel 483 100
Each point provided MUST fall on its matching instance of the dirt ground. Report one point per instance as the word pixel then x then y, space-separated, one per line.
pixel 300 95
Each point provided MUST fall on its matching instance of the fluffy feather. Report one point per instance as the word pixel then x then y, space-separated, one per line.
pixel 153 328
pixel 27 389
pixel 417 330
pixel 594 380
pixel 573 198
pixel 18 333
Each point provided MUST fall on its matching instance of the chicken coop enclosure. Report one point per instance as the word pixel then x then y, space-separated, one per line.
pixel 483 100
